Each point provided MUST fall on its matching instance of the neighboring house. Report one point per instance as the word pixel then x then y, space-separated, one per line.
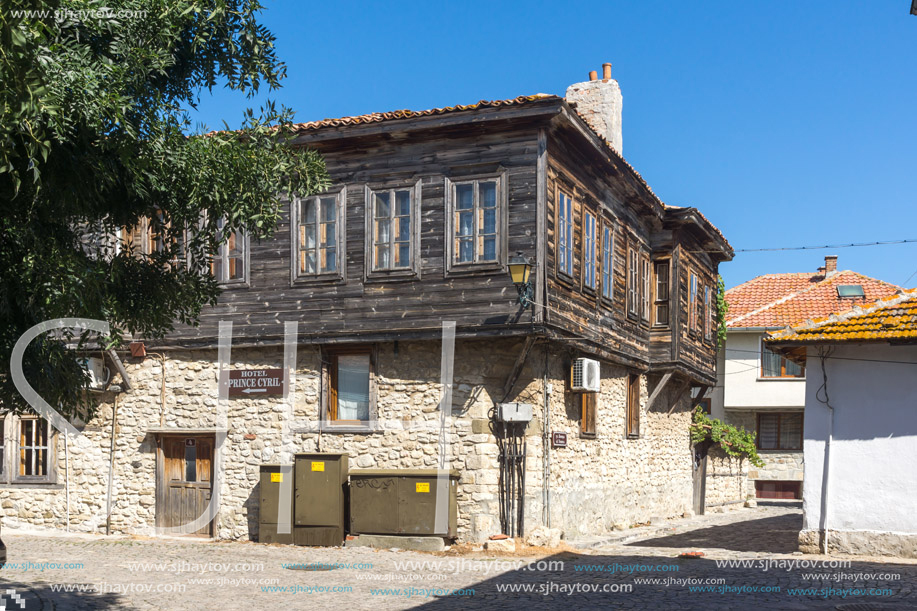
pixel 427 211
pixel 860 427
pixel 763 391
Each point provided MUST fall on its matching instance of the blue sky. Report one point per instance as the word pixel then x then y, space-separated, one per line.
pixel 786 123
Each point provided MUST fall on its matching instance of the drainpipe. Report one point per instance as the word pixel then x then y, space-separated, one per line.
pixel 67 477
pixel 111 465
pixel 546 444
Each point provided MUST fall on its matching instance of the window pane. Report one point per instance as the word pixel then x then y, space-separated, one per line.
pixel 403 203
pixel 329 209
pixel 329 259
pixel 403 233
pixel 489 249
pixel 662 314
pixel 382 256
pixel 465 224
pixel 307 262
pixel 767 431
pixel 190 463
pixel 770 363
pixel 307 236
pixel 490 221
pixel 464 251
pixel 488 194
pixel 308 211
pixel 464 197
pixel 404 256
pixel 383 205
pixel 329 237
pixel 383 230
pixel 791 431
pixel 353 387
pixel 236 268
pixel 792 368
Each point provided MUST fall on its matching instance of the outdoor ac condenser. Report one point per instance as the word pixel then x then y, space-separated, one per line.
pixel 99 373
pixel 586 376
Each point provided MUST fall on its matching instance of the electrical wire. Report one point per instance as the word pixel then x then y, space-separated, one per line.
pixel 837 358
pixel 785 248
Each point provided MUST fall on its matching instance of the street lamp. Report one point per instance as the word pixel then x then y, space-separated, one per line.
pixel 520 269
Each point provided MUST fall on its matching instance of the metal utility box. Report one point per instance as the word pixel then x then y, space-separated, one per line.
pixel 400 502
pixel 514 412
pixel 319 506
pixel 269 507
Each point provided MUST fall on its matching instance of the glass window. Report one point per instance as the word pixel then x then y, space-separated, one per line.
pixel 607 262
pixel 318 235
pixel 190 461
pixel 692 304
pixel 633 282
pixel 391 229
pixel 565 234
pixel 589 250
pixel 350 385
pixel 645 287
pixel 34 451
pixel 780 431
pixel 661 301
pixel 775 365
pixel 228 264
pixel 476 226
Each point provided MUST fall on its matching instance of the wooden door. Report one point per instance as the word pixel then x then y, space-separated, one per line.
pixel 700 477
pixel 185 483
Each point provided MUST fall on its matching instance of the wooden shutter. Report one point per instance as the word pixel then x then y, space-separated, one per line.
pixel 333 389
pixel 589 403
pixel 633 405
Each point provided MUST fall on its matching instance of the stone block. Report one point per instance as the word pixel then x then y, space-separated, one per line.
pixel 501 545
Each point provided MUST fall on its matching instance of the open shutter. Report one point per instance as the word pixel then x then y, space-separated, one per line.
pixel 589 402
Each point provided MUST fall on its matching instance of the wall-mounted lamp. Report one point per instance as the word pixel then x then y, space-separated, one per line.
pixel 520 269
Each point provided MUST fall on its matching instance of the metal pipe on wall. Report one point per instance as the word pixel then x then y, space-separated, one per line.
pixel 546 444
pixel 111 464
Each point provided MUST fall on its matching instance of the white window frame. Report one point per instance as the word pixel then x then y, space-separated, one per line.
pixel 608 261
pixel 412 270
pixel 10 455
pixel 477 264
pixel 223 255
pixel 645 287
pixel 337 275
pixel 564 234
pixel 693 289
pixel 633 281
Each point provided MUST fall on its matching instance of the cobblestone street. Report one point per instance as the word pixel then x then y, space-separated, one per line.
pixel 81 572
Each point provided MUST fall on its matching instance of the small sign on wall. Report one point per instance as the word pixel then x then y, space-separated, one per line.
pixel 256 382
pixel 558 439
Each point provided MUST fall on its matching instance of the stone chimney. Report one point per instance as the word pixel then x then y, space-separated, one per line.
pixel 599 103
pixel 830 264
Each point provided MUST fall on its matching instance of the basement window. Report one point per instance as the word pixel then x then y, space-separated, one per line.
pixel 851 291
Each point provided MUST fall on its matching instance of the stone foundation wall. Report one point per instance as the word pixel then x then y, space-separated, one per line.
pixel 860 542
pixel 779 465
pixel 594 483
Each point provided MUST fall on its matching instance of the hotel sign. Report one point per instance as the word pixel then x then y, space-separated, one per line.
pixel 256 382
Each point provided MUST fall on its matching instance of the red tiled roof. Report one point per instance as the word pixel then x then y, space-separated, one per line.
pixel 780 300
pixel 892 318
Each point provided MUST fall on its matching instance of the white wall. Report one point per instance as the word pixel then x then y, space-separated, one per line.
pixel 873 455
pixel 743 386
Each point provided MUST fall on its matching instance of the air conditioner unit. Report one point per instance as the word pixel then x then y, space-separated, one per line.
pixel 97 370
pixel 586 376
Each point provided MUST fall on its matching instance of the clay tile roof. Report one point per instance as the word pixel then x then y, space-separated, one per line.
pixel 780 300
pixel 378 117
pixel 892 318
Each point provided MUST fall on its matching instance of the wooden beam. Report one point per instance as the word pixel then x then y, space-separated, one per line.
pixel 658 390
pixel 678 394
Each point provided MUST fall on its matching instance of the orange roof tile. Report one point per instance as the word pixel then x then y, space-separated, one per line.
pixel 780 300
pixel 892 318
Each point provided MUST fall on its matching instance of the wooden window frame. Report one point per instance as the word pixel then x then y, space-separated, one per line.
pixel 660 301
pixel 783 361
pixel 454 268
pixel 708 316
pixel 12 449
pixel 590 260
pixel 780 416
pixel 633 281
pixel 223 254
pixel 298 277
pixel 560 260
pixel 645 288
pixel 329 423
pixel 589 402
pixel 608 264
pixel 632 409
pixel 412 271
pixel 693 289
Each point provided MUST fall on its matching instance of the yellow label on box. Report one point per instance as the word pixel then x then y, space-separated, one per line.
pixel 276 477
pixel 422 486
pixel 318 466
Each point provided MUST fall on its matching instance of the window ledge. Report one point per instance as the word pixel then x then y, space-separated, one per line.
pixel 395 275
pixel 320 279
pixel 351 429
pixel 463 269
pixel 41 485
pixel 785 379
pixel 238 284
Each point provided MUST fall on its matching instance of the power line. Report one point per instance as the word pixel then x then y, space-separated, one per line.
pixel 836 358
pixel 851 245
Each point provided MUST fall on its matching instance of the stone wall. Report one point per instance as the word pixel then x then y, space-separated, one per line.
pixel 727 480
pixel 779 465
pixel 860 542
pixel 594 483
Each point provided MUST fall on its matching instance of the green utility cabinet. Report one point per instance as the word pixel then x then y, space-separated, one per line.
pixel 319 506
pixel 269 508
pixel 400 502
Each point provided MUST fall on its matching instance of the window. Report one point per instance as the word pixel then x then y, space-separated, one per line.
pixel 708 313
pixel 645 287
pixel 476 223
pixel 705 405
pixel 632 424
pixel 228 265
pixel 633 282
pixel 589 250
pixel 27 450
pixel 661 298
pixel 392 231
pixel 852 291
pixel 351 398
pixel 782 431
pixel 692 304
pixel 564 234
pixel 318 237
pixel 775 365
pixel 587 424
pixel 608 272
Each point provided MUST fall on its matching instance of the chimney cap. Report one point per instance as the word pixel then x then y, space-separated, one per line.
pixel 593 75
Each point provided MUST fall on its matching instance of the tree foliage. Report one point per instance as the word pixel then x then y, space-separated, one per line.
pixel 734 441
pixel 722 308
pixel 95 136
